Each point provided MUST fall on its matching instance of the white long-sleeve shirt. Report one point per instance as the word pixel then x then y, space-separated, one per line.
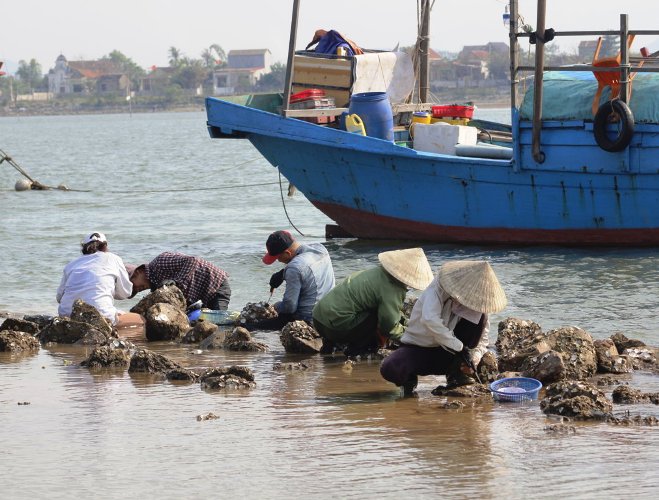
pixel 426 328
pixel 97 279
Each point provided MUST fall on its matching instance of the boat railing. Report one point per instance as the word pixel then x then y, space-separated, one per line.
pixel 541 37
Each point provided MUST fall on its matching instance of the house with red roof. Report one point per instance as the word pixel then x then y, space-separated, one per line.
pixel 87 77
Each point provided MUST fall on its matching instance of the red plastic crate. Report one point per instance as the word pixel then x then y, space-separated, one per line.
pixel 307 94
pixel 314 103
pixel 452 111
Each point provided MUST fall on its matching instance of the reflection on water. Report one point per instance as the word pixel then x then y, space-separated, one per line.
pixel 316 432
pixel 157 182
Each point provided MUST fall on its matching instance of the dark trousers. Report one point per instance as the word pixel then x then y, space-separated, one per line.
pixel 271 323
pixel 359 339
pixel 408 361
pixel 220 301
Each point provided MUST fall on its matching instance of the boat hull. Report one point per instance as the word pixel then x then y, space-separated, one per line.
pixel 374 189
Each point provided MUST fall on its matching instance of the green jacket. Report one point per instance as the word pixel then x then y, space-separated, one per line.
pixel 349 302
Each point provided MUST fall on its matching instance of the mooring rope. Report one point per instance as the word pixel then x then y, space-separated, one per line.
pixel 283 203
pixel 39 186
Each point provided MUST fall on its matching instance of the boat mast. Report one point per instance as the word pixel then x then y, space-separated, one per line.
pixel 538 155
pixel 291 55
pixel 424 44
pixel 514 54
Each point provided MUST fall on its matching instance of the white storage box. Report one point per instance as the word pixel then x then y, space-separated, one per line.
pixel 442 137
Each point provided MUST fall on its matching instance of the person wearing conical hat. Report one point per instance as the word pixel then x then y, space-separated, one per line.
pixel 365 309
pixel 448 326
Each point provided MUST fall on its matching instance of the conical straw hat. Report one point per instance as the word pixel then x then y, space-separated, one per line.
pixel 473 284
pixel 409 266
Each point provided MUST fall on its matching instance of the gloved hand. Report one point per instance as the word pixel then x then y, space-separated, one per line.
pixel 168 283
pixel 276 280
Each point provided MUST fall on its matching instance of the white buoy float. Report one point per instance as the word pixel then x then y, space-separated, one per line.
pixel 23 185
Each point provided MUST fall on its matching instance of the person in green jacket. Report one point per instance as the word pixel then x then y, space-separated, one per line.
pixel 365 309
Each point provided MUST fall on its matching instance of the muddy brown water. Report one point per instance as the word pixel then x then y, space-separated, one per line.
pixel 322 432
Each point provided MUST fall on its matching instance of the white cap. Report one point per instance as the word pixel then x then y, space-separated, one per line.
pixel 94 237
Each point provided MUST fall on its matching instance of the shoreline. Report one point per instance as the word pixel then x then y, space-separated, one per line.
pixel 184 108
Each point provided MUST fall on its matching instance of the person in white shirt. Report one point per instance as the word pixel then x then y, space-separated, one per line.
pixel 97 277
pixel 448 327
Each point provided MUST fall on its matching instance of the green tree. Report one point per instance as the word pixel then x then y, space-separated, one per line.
pixel 214 56
pixel 191 73
pixel 127 65
pixel 273 81
pixel 175 56
pixel 30 74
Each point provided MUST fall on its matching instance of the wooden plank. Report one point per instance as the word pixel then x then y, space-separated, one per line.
pixel 315 71
pixel 307 113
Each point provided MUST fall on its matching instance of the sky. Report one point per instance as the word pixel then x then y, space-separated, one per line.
pixel 144 30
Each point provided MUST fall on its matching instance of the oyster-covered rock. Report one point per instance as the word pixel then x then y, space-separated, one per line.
pixel 182 375
pixel 300 337
pixel 165 322
pixel 233 377
pixel 107 356
pixel 547 367
pixel 163 295
pixel 578 399
pixel 622 342
pixel 624 394
pixel 488 367
pixel 290 366
pixel 609 359
pixel 66 331
pixel 256 311
pixel 200 331
pixel 463 391
pixel 85 313
pixel 145 361
pixel 239 339
pixel 577 349
pixel 15 341
pixel 517 340
pixel 20 325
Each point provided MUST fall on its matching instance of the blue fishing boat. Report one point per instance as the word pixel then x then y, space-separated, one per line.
pixel 569 178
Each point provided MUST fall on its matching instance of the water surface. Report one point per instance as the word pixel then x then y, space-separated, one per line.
pixel 157 182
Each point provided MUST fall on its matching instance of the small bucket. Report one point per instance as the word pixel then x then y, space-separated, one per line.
pixel 419 117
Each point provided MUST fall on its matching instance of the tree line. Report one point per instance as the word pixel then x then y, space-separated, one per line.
pixel 188 72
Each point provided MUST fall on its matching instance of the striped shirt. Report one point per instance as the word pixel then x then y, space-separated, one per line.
pixel 196 278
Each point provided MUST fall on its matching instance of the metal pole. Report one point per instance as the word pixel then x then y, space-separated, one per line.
pixel 538 155
pixel 291 55
pixel 624 59
pixel 514 54
pixel 423 52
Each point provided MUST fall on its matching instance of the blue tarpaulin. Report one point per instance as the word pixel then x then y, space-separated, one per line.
pixel 569 96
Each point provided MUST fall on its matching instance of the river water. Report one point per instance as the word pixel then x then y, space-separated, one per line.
pixel 156 182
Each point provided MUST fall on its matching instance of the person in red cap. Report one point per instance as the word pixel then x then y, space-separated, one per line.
pixel 308 275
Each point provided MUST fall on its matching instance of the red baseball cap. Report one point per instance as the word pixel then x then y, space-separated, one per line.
pixel 278 242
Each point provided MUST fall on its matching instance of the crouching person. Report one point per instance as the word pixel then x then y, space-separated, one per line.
pixel 448 327
pixel 365 309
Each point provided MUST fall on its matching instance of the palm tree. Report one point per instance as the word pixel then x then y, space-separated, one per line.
pixel 174 57
pixel 213 56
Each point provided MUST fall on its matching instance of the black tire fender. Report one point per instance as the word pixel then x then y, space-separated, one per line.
pixel 601 122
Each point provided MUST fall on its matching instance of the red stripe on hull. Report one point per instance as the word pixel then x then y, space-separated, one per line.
pixel 372 226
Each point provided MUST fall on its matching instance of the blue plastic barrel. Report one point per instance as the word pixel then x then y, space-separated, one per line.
pixel 375 111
